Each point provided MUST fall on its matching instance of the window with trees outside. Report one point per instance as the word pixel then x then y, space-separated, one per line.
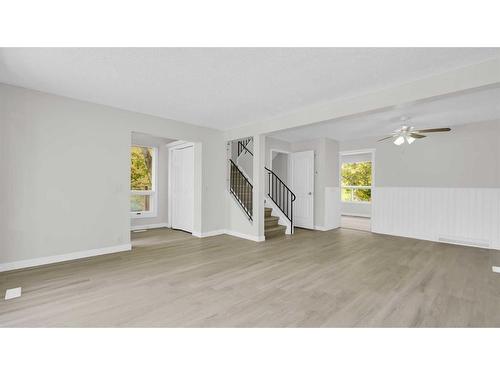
pixel 357 182
pixel 142 180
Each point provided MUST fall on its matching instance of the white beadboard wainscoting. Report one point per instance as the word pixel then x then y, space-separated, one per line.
pixel 332 208
pixel 467 216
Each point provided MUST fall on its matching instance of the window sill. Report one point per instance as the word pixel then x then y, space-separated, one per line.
pixel 143 215
pixel 356 202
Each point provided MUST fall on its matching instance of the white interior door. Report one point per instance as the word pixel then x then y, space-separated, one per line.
pixel 302 181
pixel 182 188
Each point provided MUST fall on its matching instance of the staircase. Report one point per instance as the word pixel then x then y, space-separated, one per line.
pixel 278 193
pixel 241 188
pixel 271 227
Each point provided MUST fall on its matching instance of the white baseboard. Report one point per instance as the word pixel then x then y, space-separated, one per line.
pixel 149 226
pixel 63 257
pixel 355 214
pixel 245 236
pixel 209 234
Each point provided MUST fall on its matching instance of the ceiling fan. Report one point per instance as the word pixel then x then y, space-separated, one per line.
pixel 408 133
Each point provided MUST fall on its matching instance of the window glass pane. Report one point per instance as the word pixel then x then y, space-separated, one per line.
pixel 357 174
pixel 346 195
pixel 141 168
pixel 140 203
pixel 363 195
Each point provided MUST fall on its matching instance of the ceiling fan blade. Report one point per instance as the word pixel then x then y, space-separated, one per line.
pixel 436 130
pixel 416 135
pixel 383 139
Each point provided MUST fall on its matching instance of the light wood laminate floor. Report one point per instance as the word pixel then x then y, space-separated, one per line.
pixel 339 278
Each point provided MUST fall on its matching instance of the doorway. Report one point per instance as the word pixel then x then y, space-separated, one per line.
pixel 356 182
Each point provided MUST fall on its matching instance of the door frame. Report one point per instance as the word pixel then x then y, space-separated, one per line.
pixel 370 151
pixel 177 145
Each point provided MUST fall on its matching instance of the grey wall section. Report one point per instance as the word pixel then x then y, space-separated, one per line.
pixel 466 157
pixel 280 166
pixel 65 167
pixel 162 175
pixel 275 144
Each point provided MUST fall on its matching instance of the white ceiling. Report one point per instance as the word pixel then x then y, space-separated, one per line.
pixel 223 88
pixel 448 111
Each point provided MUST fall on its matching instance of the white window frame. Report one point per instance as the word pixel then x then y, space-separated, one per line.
pixel 153 194
pixel 353 187
pixel 354 152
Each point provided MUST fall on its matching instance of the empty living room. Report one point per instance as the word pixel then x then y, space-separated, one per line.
pixel 335 197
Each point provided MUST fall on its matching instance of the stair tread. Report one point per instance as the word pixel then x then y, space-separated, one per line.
pixel 277 228
pixel 272 218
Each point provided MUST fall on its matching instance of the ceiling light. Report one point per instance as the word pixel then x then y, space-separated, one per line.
pixel 399 140
pixel 410 139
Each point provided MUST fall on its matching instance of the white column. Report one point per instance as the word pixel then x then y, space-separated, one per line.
pixel 259 159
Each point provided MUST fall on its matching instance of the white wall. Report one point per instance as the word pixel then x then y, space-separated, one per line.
pixel 280 165
pixel 162 175
pixel 275 144
pixel 245 161
pixel 446 186
pixel 65 167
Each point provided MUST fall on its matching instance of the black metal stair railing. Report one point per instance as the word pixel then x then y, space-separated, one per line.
pixel 281 195
pixel 241 189
pixel 242 146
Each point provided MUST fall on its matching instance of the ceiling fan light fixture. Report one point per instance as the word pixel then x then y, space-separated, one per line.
pixel 399 140
pixel 410 139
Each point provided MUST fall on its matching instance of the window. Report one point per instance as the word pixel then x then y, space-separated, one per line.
pixel 357 182
pixel 142 181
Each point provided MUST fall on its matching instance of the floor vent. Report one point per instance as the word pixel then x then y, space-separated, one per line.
pixel 467 242
pixel 13 293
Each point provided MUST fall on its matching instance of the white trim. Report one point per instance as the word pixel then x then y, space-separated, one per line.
pixel 63 257
pixel 354 214
pixel 171 147
pixel 355 152
pixel 495 269
pixel 245 236
pixel 209 234
pixel 179 144
pixel 355 202
pixel 149 226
